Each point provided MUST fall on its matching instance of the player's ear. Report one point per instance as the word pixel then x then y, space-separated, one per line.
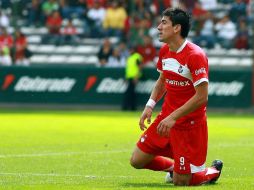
pixel 177 28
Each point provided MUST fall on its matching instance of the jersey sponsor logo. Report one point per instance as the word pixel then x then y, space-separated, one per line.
pixel 200 71
pixel 38 84
pixel 178 83
pixel 172 65
pixel 180 69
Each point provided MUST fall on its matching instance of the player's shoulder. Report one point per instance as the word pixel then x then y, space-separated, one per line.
pixel 195 50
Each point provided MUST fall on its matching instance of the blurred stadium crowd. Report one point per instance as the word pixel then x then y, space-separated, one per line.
pixel 40 31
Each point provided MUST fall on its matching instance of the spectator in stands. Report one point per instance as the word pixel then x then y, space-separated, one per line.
pixel 6 39
pixel 20 49
pixel 139 28
pixel 206 37
pixel 187 5
pixel 141 8
pixel 4 20
pixel 69 34
pixel 242 37
pixel 95 18
pixel 209 5
pixel 114 21
pixel 5 58
pixel 238 10
pixel 48 7
pixel 54 23
pixel 72 9
pixel 116 60
pixel 199 16
pixel 123 50
pixel 158 6
pixel 147 51
pixel 34 13
pixel 90 3
pixel 5 4
pixel 105 52
pixel 226 32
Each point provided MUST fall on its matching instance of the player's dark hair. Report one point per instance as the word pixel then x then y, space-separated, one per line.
pixel 178 16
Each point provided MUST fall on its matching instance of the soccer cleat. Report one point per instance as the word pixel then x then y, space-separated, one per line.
pixel 217 164
pixel 169 177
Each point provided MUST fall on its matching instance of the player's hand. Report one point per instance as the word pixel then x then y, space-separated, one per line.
pixel 146 115
pixel 165 125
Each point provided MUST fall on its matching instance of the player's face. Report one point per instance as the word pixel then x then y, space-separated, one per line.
pixel 166 30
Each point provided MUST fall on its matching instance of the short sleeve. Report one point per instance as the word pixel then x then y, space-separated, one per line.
pixel 198 65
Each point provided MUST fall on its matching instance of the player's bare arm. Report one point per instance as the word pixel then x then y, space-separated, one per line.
pixel 157 92
pixel 199 99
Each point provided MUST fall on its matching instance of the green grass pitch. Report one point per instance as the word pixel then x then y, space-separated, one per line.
pixel 91 150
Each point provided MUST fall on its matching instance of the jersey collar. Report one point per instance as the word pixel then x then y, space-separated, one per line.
pixel 182 46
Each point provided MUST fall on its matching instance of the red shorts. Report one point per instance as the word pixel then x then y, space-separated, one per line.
pixel 188 146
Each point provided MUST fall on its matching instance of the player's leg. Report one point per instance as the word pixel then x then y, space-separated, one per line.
pixel 181 179
pixel 189 155
pixel 209 175
pixel 150 152
pixel 139 158
pixel 142 160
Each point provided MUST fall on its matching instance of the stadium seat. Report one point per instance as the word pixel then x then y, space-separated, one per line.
pixel 86 50
pixel 46 49
pixel 229 61
pixel 212 61
pixel 64 49
pixel 246 62
pixel 33 31
pixel 92 60
pixel 235 53
pixel 216 52
pixel 35 59
pixel 76 59
pixel 57 59
pixel 34 39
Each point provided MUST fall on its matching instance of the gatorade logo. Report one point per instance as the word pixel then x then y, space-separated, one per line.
pixel 90 83
pixel 38 84
pixel 8 80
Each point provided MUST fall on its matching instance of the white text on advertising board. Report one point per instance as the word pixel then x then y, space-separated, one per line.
pixel 110 85
pixel 38 84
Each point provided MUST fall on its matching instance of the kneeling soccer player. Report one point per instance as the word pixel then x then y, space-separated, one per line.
pixel 179 131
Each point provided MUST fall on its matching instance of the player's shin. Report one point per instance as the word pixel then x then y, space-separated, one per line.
pixel 160 163
pixel 204 177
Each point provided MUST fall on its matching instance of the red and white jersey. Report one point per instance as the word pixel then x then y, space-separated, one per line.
pixel 183 70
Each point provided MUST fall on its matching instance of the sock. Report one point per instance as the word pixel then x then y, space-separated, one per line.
pixel 204 176
pixel 160 163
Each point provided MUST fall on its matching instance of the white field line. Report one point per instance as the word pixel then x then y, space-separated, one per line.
pixel 47 154
pixel 69 175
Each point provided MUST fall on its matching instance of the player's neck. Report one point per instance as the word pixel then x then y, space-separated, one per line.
pixel 174 45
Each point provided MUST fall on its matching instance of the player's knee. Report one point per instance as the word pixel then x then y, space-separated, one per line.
pixel 135 163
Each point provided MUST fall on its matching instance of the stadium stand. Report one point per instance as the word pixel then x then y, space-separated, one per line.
pixel 85 51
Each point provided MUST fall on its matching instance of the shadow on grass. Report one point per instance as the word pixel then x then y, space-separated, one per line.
pixel 147 185
pixel 159 185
